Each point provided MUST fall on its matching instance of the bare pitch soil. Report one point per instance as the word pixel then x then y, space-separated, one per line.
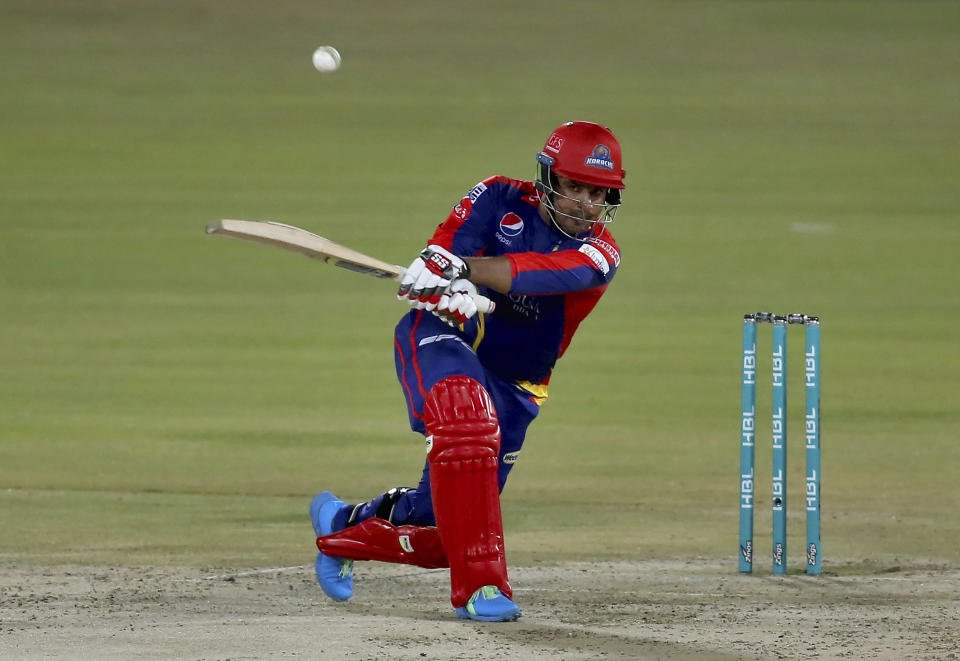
pixel 644 610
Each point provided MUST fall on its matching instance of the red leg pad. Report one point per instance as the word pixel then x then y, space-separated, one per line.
pixel 376 539
pixel 463 441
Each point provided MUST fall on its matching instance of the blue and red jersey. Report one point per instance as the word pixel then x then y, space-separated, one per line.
pixel 556 280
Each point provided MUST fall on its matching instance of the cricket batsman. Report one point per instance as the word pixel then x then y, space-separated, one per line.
pixel 474 382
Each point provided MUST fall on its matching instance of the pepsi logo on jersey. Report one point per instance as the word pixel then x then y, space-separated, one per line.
pixel 511 224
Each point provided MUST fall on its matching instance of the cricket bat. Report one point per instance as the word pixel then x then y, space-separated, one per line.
pixel 312 245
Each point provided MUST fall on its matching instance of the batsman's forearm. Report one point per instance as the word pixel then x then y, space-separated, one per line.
pixel 493 272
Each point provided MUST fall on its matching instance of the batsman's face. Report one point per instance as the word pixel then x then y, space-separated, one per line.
pixel 578 205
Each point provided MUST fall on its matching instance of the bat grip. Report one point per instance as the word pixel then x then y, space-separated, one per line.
pixel 484 304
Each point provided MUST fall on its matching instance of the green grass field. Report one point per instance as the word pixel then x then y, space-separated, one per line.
pixel 170 398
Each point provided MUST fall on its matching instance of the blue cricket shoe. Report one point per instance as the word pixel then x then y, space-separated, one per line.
pixel 488 604
pixel 335 575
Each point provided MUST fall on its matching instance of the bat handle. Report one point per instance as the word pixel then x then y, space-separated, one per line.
pixel 484 304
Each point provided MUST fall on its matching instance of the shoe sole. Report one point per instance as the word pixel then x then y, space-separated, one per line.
pixel 509 616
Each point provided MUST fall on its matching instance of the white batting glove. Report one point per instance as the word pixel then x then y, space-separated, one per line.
pixel 458 304
pixel 429 277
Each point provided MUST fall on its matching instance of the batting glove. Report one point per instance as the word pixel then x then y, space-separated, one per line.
pixel 457 305
pixel 429 276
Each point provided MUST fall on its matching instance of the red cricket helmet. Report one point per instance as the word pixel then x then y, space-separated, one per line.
pixel 588 153
pixel 585 152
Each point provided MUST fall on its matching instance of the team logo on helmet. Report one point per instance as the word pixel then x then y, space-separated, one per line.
pixel 511 224
pixel 600 158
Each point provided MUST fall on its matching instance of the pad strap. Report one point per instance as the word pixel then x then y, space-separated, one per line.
pixel 377 539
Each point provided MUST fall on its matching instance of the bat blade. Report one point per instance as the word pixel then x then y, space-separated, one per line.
pixel 299 240
pixel 306 243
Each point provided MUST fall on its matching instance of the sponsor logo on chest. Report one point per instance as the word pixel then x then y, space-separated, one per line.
pixel 511 225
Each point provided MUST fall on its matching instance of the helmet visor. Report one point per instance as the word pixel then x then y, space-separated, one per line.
pixel 577 210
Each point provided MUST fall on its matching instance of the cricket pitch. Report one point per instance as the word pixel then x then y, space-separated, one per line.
pixel 641 610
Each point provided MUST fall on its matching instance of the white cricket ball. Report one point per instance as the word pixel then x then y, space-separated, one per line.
pixel 326 59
